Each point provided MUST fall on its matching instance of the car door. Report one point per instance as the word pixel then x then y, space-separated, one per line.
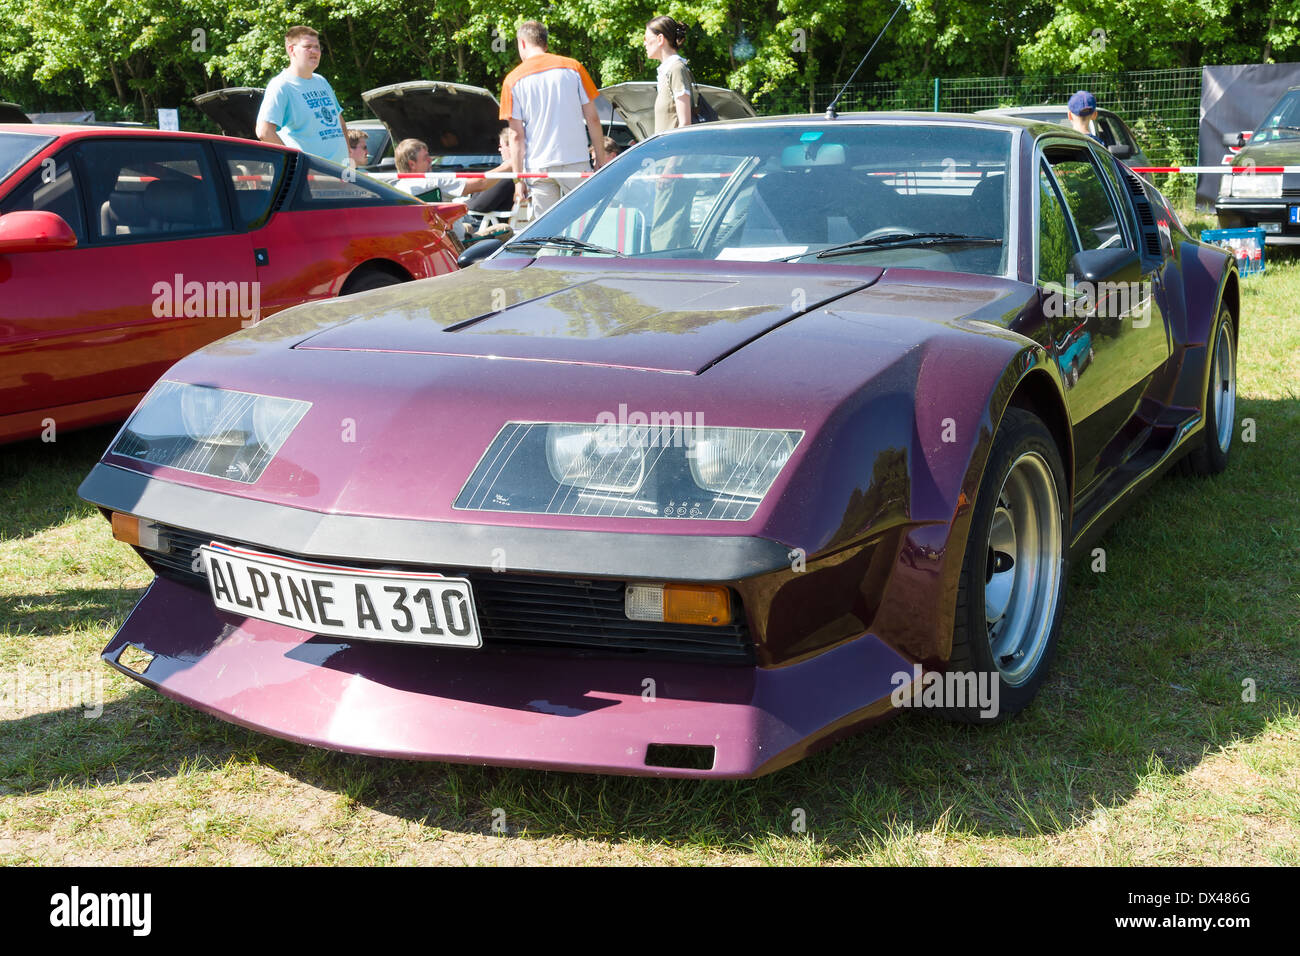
pixel 1108 331
pixel 157 272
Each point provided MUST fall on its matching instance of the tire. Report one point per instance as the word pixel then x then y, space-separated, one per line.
pixel 1220 405
pixel 370 279
pixel 1008 615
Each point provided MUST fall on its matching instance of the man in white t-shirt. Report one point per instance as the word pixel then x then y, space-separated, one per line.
pixel 299 108
pixel 547 99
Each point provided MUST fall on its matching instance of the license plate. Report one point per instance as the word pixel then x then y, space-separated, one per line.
pixel 1294 214
pixel 411 607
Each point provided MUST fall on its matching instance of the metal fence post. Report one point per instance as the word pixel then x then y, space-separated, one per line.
pixel 936 94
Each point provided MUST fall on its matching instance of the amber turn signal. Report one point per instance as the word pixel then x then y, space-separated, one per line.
pixel 696 604
pixel 707 604
pixel 140 534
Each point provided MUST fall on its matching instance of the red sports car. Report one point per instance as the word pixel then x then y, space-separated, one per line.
pixel 123 250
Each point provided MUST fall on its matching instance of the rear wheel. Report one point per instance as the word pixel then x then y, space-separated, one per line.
pixel 1220 404
pixel 370 279
pixel 1012 586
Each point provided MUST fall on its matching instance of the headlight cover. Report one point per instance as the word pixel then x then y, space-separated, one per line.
pixel 1257 186
pixel 209 431
pixel 628 471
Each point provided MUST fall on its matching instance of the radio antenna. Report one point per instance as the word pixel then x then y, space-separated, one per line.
pixel 830 110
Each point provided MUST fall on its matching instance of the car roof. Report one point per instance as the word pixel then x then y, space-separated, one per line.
pixel 1061 108
pixel 79 131
pixel 881 117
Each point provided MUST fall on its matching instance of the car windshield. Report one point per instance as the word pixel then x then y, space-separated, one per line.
pixel 926 196
pixel 1283 120
pixel 17 148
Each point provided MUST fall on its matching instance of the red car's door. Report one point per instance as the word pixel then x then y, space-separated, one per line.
pixel 327 224
pixel 158 272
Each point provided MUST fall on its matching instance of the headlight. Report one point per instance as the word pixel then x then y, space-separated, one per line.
pixel 739 461
pixel 209 431
pixel 620 471
pixel 1257 186
pixel 599 457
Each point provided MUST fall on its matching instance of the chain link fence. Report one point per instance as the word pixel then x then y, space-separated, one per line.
pixel 1162 107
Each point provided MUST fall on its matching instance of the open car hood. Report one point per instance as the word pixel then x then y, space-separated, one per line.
pixel 234 110
pixel 12 113
pixel 636 103
pixel 635 318
pixel 450 118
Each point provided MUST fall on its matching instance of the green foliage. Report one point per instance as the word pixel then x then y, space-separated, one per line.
pixel 130 58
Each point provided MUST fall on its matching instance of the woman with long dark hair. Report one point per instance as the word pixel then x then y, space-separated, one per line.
pixel 675 100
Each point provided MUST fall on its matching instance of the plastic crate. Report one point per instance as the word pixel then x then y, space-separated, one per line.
pixel 1246 244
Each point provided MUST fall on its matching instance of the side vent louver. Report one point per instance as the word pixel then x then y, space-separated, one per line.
pixel 1146 218
pixel 291 164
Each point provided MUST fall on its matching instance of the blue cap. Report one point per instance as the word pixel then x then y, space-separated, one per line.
pixel 1082 103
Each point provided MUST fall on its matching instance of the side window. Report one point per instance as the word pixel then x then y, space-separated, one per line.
pixel 1055 245
pixel 255 179
pixel 150 189
pixel 1085 195
pixel 53 188
pixel 327 185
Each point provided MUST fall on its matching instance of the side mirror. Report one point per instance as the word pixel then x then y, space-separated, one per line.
pixel 1121 150
pixel 34 231
pixel 1233 139
pixel 479 250
pixel 1099 265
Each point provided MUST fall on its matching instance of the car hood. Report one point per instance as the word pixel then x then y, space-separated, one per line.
pixel 636 102
pixel 398 433
pixel 587 314
pixel 1282 152
pixel 234 110
pixel 12 113
pixel 450 118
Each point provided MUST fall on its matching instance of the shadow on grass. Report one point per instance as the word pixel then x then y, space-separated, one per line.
pixel 60 612
pixel 39 480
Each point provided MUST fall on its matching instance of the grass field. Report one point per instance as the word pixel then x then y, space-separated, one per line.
pixel 1139 750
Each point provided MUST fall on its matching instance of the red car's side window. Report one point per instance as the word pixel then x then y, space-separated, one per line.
pixel 256 177
pixel 156 189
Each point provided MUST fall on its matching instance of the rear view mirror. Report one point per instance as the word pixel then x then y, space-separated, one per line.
pixel 1121 150
pixel 1099 265
pixel 34 231
pixel 479 250
pixel 1234 139
pixel 812 154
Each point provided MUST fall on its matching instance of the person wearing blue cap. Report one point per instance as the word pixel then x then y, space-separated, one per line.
pixel 1082 110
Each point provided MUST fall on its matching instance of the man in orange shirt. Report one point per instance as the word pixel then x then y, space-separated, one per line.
pixel 547 99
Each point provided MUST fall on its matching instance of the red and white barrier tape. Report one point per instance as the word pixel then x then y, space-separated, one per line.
pixel 562 175
pixel 1233 170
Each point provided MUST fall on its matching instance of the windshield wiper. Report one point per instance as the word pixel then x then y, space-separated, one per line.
pixel 565 242
pixel 898 239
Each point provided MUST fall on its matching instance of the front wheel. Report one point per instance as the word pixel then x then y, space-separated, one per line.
pixel 1012 587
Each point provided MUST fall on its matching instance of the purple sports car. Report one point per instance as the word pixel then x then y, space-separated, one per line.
pixel 758 435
